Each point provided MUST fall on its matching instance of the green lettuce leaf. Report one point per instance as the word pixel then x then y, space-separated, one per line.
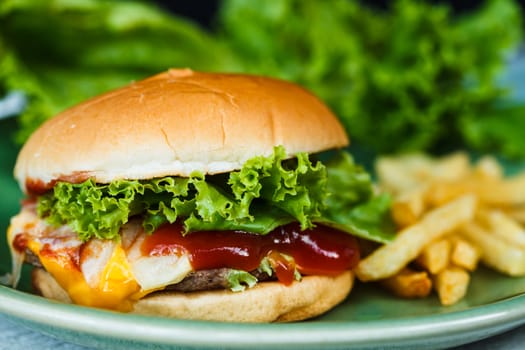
pixel 238 280
pixel 295 186
pixel 370 220
pixel 87 47
pixel 402 78
pixel 266 193
pixel 352 205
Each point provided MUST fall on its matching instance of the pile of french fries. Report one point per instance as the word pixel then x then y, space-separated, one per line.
pixel 452 214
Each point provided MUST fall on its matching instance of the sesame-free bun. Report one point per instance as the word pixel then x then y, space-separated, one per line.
pixel 266 302
pixel 175 123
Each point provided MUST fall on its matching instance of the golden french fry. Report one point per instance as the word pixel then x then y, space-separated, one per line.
pixel 403 173
pixel 394 175
pixel 408 207
pixel 451 285
pixel 496 252
pixel 390 258
pixel 435 256
pixel 505 193
pixel 464 254
pixel 517 213
pixel 493 233
pixel 502 225
pixel 441 192
pixel 488 167
pixel 452 167
pixel 409 284
pixel 510 192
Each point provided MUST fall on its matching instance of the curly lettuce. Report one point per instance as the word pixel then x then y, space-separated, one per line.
pixel 352 206
pixel 239 280
pixel 412 76
pixel 266 193
pixel 88 47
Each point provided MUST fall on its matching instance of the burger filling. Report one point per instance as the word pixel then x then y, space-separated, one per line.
pixel 108 245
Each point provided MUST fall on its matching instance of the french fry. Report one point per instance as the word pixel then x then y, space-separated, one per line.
pixel 503 193
pixel 488 167
pixel 441 192
pixel 517 213
pixel 409 284
pixel 451 285
pixel 390 258
pixel 408 207
pixel 496 252
pixel 451 168
pixel 426 188
pixel 464 254
pixel 394 174
pixel 502 225
pixel 435 256
pixel 403 173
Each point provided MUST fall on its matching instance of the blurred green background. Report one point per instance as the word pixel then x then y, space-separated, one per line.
pixel 402 75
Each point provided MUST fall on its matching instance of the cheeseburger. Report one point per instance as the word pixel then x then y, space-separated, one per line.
pixel 196 196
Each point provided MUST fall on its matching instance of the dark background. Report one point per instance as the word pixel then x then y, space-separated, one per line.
pixel 203 11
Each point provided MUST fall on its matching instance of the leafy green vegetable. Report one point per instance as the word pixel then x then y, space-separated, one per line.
pixel 63 52
pixel 267 192
pixel 369 220
pixel 497 130
pixel 265 266
pixel 344 173
pixel 238 280
pixel 411 77
pixel 297 190
pixel 352 207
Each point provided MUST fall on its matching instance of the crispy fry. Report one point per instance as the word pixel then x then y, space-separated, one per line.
pixel 500 224
pixel 441 192
pixel 464 254
pixel 394 174
pixel 435 256
pixel 493 232
pixel 504 193
pixel 496 252
pixel 403 173
pixel 451 285
pixel 452 167
pixel 390 258
pixel 409 284
pixel 510 192
pixel 408 207
pixel 488 167
pixel 517 213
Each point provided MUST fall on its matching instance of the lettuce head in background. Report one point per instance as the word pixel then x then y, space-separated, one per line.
pixel 408 76
pixel 413 76
pixel 60 53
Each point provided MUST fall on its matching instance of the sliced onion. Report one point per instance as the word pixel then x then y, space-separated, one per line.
pixel 94 257
pixel 156 272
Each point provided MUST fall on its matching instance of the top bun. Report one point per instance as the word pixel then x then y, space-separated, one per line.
pixel 175 123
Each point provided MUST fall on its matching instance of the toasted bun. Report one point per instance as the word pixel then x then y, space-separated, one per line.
pixel 175 123
pixel 266 302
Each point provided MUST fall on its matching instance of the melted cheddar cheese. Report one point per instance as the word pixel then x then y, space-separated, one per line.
pixel 116 287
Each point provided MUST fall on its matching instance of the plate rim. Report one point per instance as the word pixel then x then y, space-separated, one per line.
pixel 504 314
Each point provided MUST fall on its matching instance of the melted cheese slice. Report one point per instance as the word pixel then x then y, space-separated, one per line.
pixel 116 290
pixel 105 274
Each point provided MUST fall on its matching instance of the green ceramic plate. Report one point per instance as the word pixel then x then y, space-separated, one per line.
pixel 370 318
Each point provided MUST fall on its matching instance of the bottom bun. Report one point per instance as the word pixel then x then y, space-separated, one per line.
pixel 266 302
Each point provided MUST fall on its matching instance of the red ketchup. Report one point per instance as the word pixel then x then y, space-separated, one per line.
pixel 318 251
pixel 20 242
